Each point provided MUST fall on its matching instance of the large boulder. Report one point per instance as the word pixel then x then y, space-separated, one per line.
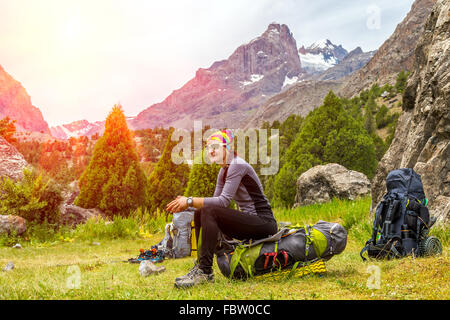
pixel 422 137
pixel 71 192
pixel 12 162
pixel 10 223
pixel 323 183
pixel 72 215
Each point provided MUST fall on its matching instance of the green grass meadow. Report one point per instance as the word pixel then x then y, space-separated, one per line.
pixel 71 266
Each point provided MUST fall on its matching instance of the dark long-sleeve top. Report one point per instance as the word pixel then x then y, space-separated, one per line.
pixel 244 187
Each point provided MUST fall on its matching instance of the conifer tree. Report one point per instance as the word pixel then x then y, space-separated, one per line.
pixel 113 181
pixel 369 109
pixel 167 179
pixel 202 179
pixel 328 134
pixel 8 129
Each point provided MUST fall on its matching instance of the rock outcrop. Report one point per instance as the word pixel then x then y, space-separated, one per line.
pixel 422 137
pixel 394 55
pixel 72 191
pixel 12 162
pixel 323 183
pixel 15 103
pixel 10 223
pixel 71 214
pixel 352 62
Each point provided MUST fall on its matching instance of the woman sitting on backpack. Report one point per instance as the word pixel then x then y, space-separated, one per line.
pixel 237 180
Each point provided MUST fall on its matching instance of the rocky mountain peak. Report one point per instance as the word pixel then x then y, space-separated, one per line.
pixel 276 31
pixel 354 52
pixel 15 103
pixel 252 73
pixel 321 55
pixel 275 47
pixel 326 47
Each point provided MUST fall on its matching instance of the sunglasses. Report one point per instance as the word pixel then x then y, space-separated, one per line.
pixel 215 146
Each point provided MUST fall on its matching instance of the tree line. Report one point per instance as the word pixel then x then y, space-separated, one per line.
pixel 118 176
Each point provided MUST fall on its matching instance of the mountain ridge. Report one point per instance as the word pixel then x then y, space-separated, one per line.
pixel 15 103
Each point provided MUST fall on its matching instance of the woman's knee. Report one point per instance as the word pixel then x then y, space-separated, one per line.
pixel 208 212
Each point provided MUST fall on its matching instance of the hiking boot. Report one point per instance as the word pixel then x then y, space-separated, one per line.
pixel 194 277
pixel 195 267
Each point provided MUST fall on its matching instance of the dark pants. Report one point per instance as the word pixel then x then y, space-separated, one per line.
pixel 211 220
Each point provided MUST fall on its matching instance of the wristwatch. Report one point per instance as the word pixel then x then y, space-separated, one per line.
pixel 190 201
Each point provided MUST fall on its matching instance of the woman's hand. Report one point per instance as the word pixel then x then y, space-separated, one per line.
pixel 177 205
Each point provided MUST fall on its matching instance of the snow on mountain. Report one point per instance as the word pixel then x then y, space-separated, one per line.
pixel 77 129
pixel 320 56
pixel 253 78
pixel 288 81
pixel 313 63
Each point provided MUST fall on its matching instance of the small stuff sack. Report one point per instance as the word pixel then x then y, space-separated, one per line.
pixel 402 220
pixel 290 252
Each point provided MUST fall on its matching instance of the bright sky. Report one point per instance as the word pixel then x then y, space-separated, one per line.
pixel 76 59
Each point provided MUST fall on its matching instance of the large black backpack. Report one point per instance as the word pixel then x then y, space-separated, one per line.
pixel 402 220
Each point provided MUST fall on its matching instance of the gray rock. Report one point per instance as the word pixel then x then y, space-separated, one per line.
pixel 147 268
pixel 322 183
pixel 73 215
pixel 8 267
pixel 71 193
pixel 12 163
pixel 422 136
pixel 9 223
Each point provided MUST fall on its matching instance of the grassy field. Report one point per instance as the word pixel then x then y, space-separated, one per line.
pixel 51 270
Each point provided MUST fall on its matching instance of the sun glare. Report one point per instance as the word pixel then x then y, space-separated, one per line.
pixel 71 32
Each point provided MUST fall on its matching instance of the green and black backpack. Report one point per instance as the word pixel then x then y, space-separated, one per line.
pixel 402 220
pixel 290 252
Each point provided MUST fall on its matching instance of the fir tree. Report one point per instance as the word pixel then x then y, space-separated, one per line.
pixel 167 179
pixel 113 181
pixel 202 180
pixel 8 129
pixel 369 109
pixel 400 84
pixel 328 134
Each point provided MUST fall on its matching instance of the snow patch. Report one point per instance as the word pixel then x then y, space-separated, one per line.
pixel 261 54
pixel 288 81
pixel 317 62
pixel 253 78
